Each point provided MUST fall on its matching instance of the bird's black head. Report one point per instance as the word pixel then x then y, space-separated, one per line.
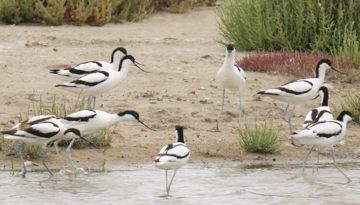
pixel 327 61
pixel 130 57
pixel 230 47
pixel 72 130
pixel 130 112
pixel 179 127
pixel 120 49
pixel 343 114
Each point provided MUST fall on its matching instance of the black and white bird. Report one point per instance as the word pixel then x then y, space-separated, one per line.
pixel 324 135
pixel 87 67
pixel 321 113
pixel 299 91
pixel 39 130
pixel 230 76
pixel 100 81
pixel 173 156
pixel 91 121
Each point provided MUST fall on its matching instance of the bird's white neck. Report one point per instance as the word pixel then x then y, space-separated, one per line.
pixel 229 59
pixel 124 67
pixel 115 118
pixel 321 74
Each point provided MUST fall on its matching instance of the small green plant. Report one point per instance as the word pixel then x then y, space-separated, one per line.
pixel 28 150
pixel 57 109
pixel 351 103
pixel 260 139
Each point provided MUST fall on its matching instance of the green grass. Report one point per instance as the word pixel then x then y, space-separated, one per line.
pixel 351 103
pixel 260 139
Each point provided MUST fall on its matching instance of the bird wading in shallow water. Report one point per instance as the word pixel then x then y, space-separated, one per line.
pixel 299 91
pixel 91 121
pixel 39 130
pixel 173 156
pixel 230 76
pixel 324 134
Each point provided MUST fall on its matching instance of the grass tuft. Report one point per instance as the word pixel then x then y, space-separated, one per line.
pixel 264 139
pixel 351 103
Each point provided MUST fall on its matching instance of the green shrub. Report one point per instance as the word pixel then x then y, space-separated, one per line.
pixel 92 12
pixel 264 139
pixel 132 10
pixel 267 25
pixel 51 11
pixel 16 11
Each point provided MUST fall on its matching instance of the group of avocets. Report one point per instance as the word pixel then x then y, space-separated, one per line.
pixel 319 128
pixel 97 77
pixel 90 79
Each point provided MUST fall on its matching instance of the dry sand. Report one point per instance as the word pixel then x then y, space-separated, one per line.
pixel 181 52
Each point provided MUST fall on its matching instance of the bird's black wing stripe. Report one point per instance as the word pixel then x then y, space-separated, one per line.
pixel 321 113
pixel 174 155
pixel 292 91
pixel 36 132
pixel 81 82
pixel 328 135
pixel 80 119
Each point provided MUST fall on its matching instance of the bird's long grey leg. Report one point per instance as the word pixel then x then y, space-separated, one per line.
pixel 171 181
pixel 337 167
pixel 216 128
pixel 305 159
pixel 68 152
pixel 43 161
pixel 240 108
pixel 57 151
pixel 22 159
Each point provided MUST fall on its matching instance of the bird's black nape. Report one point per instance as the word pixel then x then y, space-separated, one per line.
pixel 73 130
pixel 342 114
pixel 180 133
pixel 325 92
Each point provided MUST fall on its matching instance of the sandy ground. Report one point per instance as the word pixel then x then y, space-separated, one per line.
pixel 181 52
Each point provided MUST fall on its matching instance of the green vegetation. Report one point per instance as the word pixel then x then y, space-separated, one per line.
pixel 288 24
pixel 92 12
pixel 351 103
pixel 264 139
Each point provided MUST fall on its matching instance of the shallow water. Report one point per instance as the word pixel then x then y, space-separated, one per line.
pixel 235 183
